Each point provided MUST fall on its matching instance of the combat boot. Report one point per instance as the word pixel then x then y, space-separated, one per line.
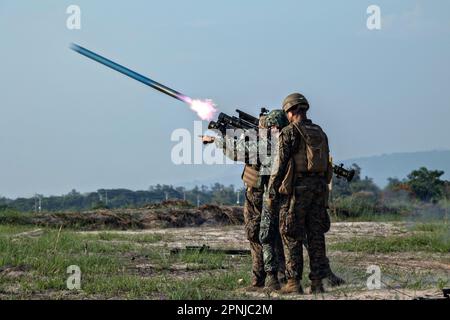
pixel 272 282
pixel 334 280
pixel 257 284
pixel 317 287
pixel 282 278
pixel 292 286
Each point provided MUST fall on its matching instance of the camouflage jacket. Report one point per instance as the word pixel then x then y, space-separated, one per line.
pixel 288 140
pixel 252 151
pixel 238 149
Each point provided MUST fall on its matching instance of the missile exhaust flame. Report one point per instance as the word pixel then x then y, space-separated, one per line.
pixel 205 109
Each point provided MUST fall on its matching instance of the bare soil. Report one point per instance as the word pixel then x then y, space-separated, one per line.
pixel 399 264
pixel 169 214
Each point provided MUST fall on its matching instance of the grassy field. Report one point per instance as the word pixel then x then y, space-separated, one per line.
pixel 413 258
pixel 110 265
pixel 431 240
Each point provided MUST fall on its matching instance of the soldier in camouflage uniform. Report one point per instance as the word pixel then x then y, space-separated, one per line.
pixel 272 247
pixel 252 219
pixel 247 152
pixel 303 154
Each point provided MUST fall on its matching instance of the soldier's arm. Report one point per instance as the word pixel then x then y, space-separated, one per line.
pixel 284 153
pixel 226 144
pixel 237 148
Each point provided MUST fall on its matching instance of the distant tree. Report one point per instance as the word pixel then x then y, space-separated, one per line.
pixel 99 205
pixel 364 185
pixel 396 185
pixel 447 190
pixel 426 185
pixel 223 195
pixel 3 201
pixel 74 193
pixel 393 184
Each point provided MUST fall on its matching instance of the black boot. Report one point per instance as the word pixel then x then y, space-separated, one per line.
pixel 334 280
pixel 317 287
pixel 282 278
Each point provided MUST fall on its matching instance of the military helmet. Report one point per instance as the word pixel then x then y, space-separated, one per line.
pixel 276 118
pixel 295 99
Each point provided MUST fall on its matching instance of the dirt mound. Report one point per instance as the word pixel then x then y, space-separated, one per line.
pixel 165 215
pixel 191 217
pixel 223 215
pixel 170 203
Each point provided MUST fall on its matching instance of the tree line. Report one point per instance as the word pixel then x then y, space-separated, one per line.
pixel 124 198
pixel 362 193
pixel 421 192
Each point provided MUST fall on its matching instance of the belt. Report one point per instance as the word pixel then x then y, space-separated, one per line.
pixel 299 180
pixel 310 174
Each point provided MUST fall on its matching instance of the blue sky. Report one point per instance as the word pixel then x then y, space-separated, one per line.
pixel 66 122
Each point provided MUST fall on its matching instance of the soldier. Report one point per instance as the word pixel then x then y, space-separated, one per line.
pixel 247 152
pixel 303 158
pixel 274 262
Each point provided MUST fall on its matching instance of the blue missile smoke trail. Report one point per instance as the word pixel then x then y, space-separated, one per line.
pixel 130 73
pixel 204 108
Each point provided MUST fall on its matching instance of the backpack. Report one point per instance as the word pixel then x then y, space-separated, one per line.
pixel 314 156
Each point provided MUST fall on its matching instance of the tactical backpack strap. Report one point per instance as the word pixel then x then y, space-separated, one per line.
pixel 305 137
pixel 302 132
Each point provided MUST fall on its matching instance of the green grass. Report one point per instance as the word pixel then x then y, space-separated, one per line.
pixel 212 286
pixel 204 286
pixel 369 217
pixel 107 268
pixel 439 227
pixel 14 217
pixel 11 229
pixel 438 242
pixel 413 279
pixel 120 285
pixel 108 262
pixel 48 254
pixel 136 238
pixel 433 236
pixel 198 260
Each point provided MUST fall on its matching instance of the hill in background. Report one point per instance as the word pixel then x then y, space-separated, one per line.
pixel 398 165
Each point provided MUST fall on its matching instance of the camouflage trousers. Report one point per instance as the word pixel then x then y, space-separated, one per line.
pixel 270 238
pixel 304 215
pixel 328 268
pixel 252 220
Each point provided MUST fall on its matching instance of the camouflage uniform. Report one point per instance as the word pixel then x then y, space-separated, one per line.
pixel 274 261
pixel 272 246
pixel 302 214
pixel 252 219
pixel 261 224
pixel 246 151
